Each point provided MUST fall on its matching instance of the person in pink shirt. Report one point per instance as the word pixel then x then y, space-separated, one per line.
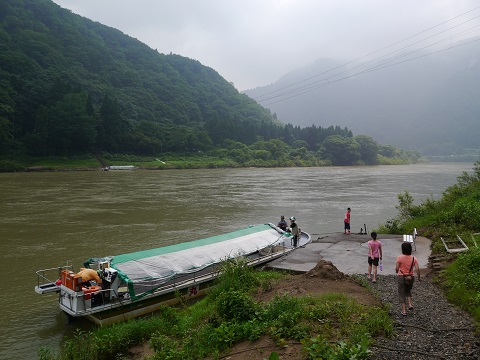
pixel 405 266
pixel 346 222
pixel 374 256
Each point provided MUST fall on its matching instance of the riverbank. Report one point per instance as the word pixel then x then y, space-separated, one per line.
pixel 434 329
pixel 197 160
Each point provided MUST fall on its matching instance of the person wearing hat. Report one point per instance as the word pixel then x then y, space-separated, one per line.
pixel 294 230
pixel 283 224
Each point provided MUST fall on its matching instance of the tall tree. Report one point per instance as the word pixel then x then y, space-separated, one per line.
pixel 74 130
pixel 111 127
pixel 341 150
pixel 368 149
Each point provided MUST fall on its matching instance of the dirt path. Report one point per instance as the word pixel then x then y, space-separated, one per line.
pixel 434 329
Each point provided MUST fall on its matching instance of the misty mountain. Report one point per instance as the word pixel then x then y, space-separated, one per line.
pixel 431 104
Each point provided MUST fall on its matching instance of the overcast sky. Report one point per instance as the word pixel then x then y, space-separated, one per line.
pixel 254 42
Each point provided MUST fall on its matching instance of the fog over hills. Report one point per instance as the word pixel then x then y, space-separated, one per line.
pixel 428 102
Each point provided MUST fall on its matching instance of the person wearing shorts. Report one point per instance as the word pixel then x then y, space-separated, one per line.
pixel 346 222
pixel 374 256
pixel 406 264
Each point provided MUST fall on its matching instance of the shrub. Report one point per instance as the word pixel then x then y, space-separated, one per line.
pixel 320 348
pixel 11 166
pixel 463 281
pixel 235 305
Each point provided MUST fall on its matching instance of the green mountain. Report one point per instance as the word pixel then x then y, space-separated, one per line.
pixel 70 85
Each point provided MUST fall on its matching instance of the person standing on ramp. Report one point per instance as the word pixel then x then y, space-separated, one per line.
pixel 346 222
pixel 294 230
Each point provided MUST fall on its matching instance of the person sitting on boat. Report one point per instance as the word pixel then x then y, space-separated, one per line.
pixel 90 277
pixel 295 230
pixel 283 223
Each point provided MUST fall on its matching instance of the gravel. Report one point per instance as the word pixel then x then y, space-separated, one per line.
pixel 434 329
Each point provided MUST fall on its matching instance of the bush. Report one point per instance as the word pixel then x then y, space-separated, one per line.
pixel 235 305
pixel 462 279
pixel 235 275
pixel 320 348
pixel 11 166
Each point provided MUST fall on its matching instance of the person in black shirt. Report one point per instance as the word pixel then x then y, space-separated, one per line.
pixel 283 223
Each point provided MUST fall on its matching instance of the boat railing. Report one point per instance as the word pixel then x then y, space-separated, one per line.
pixel 46 278
pixel 109 298
pixel 212 271
pixel 195 276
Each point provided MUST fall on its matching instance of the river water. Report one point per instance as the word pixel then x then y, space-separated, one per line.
pixel 49 218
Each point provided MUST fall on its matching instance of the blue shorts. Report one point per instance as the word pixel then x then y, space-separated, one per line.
pixel 347 225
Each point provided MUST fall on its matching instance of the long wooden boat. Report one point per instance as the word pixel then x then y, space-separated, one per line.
pixel 117 288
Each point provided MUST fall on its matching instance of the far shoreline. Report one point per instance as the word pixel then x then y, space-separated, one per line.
pixel 184 163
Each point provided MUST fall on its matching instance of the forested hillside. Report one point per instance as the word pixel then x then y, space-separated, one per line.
pixel 71 86
pixel 58 68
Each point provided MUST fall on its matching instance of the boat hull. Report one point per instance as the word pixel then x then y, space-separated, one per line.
pixel 147 306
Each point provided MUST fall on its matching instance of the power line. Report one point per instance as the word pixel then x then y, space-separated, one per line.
pixel 259 98
pixel 378 67
pixel 330 80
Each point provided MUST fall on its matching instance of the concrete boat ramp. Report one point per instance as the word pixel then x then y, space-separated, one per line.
pixel 348 253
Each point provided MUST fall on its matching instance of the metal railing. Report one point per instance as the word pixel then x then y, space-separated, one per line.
pixel 42 274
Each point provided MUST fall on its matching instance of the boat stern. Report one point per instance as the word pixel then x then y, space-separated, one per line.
pixel 47 288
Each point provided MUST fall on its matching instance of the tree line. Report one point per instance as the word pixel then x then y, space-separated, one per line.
pixel 73 125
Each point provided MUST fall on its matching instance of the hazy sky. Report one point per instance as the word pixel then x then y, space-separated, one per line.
pixel 254 42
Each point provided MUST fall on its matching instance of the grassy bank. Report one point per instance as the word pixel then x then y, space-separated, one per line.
pixel 457 212
pixel 91 163
pixel 195 160
pixel 328 326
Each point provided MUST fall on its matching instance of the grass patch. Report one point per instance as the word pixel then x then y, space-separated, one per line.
pixel 462 282
pixel 166 161
pixel 64 163
pixel 328 324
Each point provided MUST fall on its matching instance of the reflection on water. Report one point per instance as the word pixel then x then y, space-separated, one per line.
pixel 49 218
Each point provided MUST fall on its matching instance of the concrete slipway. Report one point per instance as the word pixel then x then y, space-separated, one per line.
pixel 348 253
